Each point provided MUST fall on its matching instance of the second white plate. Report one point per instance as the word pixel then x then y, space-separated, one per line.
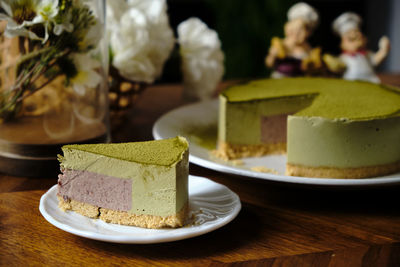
pixel 198 123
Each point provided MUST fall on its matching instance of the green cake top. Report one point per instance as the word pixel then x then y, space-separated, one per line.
pixel 334 98
pixel 164 152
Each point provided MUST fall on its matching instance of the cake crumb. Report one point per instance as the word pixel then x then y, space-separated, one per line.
pixel 237 162
pixel 215 154
pixel 263 169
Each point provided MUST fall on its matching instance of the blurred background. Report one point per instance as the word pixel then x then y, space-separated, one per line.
pixel 246 27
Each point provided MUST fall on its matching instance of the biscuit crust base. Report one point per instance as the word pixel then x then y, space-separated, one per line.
pixel 344 173
pixel 227 151
pixel 123 217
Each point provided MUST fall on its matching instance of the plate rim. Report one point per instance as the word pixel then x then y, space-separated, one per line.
pixel 147 239
pixel 295 180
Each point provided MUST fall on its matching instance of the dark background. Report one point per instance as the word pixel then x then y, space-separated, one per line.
pixel 246 27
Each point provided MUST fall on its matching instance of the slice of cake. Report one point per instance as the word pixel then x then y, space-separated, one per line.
pixel 142 184
pixel 328 127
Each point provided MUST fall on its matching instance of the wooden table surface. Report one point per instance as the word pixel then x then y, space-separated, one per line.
pixel 279 224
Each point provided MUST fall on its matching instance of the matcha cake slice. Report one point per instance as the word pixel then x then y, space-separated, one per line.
pixel 142 184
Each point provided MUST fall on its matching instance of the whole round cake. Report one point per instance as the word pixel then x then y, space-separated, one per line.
pixel 328 127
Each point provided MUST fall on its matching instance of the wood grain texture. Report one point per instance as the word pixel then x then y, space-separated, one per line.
pixel 279 225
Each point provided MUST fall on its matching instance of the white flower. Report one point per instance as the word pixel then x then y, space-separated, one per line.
pixel 202 58
pixel 115 10
pixel 92 37
pixel 140 37
pixel 23 14
pixel 161 35
pixel 47 10
pixel 15 16
pixel 87 76
pixel 130 46
pixel 65 25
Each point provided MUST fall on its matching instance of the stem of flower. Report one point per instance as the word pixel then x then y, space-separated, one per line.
pixel 32 55
pixel 23 79
pixel 21 98
pixel 21 44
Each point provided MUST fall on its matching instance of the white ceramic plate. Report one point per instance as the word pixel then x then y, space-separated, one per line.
pixel 211 206
pixel 198 123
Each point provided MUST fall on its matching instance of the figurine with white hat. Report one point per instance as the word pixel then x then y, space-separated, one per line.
pixel 359 63
pixel 291 55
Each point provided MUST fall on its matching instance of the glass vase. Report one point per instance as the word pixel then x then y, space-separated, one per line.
pixel 53 82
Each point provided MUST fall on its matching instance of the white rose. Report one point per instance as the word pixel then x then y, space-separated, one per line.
pixel 140 38
pixel 130 46
pixel 202 58
pixel 115 10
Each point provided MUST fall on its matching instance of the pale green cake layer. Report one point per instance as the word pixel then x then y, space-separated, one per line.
pixel 314 141
pixel 332 122
pixel 158 170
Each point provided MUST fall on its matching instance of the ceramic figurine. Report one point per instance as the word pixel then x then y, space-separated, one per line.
pixel 356 62
pixel 293 55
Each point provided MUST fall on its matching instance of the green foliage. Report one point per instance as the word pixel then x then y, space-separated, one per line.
pixel 245 29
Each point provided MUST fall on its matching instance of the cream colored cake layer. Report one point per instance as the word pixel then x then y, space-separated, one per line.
pixel 126 218
pixel 345 173
pixel 228 151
